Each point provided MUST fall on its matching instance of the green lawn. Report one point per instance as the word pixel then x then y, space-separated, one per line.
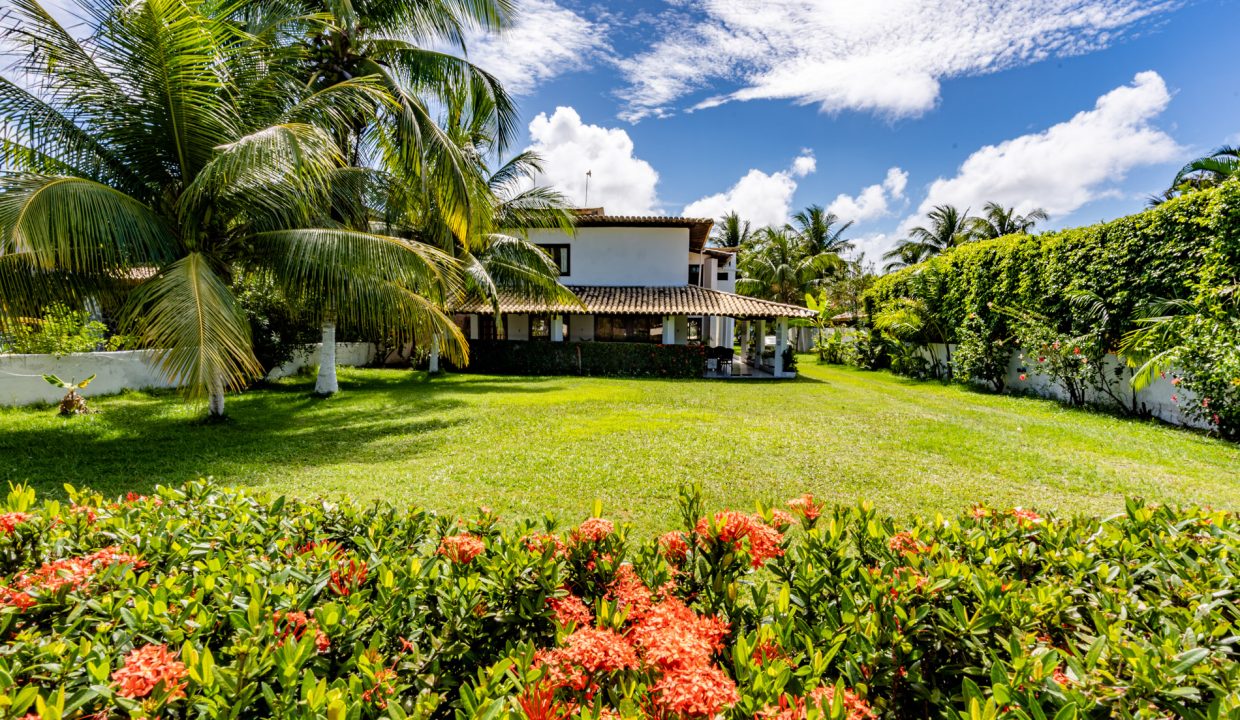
pixel 526 446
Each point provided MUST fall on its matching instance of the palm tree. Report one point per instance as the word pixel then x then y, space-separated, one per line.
pixel 778 265
pixel 948 227
pixel 997 221
pixel 173 149
pixel 1210 170
pixel 821 231
pixel 731 232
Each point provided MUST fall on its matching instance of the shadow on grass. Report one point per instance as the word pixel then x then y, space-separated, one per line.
pixel 140 440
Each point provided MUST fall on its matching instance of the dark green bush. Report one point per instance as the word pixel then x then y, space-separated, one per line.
pixel 610 359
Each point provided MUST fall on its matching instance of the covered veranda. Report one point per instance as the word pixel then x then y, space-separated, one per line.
pixel 675 315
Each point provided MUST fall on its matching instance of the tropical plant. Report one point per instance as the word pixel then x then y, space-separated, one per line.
pixel 60 331
pixel 172 149
pixel 778 265
pixel 911 323
pixel 947 228
pixel 1208 171
pixel 731 231
pixel 821 231
pixel 980 355
pixel 997 221
pixel 72 403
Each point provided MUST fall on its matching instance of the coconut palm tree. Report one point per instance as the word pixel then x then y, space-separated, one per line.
pixel 821 231
pixel 997 221
pixel 906 253
pixel 778 265
pixel 1210 170
pixel 948 227
pixel 731 231
pixel 172 149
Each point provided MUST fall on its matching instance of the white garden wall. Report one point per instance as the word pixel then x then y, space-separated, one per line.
pixel 1160 398
pixel 21 376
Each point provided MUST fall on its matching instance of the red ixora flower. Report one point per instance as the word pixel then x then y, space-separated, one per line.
pixel 593 530
pixel 906 543
pixel 541 542
pixel 1061 677
pixel 740 530
pixel 823 697
pixel 384 687
pixel 10 520
pixel 695 692
pixel 461 549
pixel 10 597
pixel 1026 518
pixel 670 635
pixel 674 547
pixel 805 507
pixel 1023 377
pixel 145 668
pixel 347 578
pixel 74 572
pixel 570 610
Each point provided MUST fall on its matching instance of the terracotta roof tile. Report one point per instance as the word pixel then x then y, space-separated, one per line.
pixel 677 300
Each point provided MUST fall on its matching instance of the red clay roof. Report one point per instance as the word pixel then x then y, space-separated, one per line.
pixel 675 300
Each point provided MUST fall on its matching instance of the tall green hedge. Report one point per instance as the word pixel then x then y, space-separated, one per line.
pixel 586 358
pixel 1181 249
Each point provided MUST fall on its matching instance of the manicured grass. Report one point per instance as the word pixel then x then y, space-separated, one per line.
pixel 529 446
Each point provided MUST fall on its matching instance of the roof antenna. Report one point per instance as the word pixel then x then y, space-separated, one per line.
pixel 589 174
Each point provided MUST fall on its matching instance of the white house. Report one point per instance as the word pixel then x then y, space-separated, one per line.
pixel 644 279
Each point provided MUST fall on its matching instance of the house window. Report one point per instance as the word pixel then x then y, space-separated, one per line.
pixel 560 255
pixel 722 276
pixel 486 327
pixel 540 327
pixel 695 274
pixel 695 329
pixel 628 328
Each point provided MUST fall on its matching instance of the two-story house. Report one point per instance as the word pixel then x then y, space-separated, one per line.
pixel 645 279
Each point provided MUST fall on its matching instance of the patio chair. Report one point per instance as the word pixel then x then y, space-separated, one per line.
pixel 725 356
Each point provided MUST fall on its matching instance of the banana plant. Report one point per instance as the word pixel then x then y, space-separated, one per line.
pixel 72 403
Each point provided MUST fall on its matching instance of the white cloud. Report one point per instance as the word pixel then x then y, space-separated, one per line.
pixel 887 57
pixel 873 201
pixel 1069 164
pixel 544 41
pixel 759 197
pixel 621 182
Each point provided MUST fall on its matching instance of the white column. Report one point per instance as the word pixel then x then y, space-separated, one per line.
pixel 727 326
pixel 557 328
pixel 473 327
pixel 744 339
pixel 761 343
pixel 669 330
pixel 434 366
pixel 781 344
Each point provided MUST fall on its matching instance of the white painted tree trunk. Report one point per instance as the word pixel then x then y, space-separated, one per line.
pixel 326 383
pixel 215 401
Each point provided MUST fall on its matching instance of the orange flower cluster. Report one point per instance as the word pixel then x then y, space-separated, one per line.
pixel 461 549
pixel 10 597
pixel 695 692
pixel 1061 677
pixel 540 542
pixel 768 650
pixel 294 624
pixel 674 547
pixel 384 688
pixel 133 497
pixel 331 547
pixel 570 610
pixel 145 668
pixel 805 507
pixel 906 543
pixel 822 697
pixel 743 532
pixel 86 512
pixel 347 578
pixel 670 635
pixel 1026 518
pixel 74 572
pixel 10 520
pixel 593 530
pixel 628 591
pixel 781 519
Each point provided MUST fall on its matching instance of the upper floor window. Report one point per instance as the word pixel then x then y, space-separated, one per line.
pixel 695 274
pixel 560 255
pixel 722 276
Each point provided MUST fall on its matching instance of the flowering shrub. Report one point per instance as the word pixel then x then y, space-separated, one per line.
pixel 216 603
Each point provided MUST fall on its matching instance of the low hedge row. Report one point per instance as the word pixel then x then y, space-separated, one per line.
pixel 212 603
pixel 612 359
pixel 1184 248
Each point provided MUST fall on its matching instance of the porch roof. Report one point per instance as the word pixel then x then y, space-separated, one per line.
pixel 642 300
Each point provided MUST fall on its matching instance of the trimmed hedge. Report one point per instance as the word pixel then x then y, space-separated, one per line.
pixel 1181 249
pixel 204 602
pixel 610 359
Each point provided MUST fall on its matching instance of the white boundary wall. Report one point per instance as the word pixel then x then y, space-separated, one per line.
pixel 21 376
pixel 1157 397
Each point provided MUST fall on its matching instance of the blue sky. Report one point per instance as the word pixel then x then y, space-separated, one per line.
pixel 877 109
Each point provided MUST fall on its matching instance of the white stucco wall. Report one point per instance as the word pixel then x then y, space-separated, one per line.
pixel 21 376
pixel 1160 398
pixel 623 256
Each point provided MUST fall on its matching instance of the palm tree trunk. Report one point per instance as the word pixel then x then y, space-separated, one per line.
pixel 215 401
pixel 326 383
